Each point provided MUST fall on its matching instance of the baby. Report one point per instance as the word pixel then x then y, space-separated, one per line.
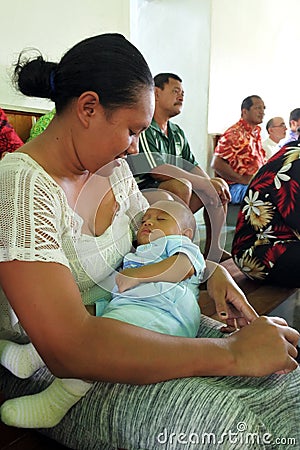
pixel 157 289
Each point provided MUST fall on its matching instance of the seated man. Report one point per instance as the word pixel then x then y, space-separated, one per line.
pixel 9 140
pixel 239 153
pixel 165 162
pixel 276 129
pixel 293 132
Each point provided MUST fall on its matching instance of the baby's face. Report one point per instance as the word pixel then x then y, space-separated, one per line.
pixel 157 223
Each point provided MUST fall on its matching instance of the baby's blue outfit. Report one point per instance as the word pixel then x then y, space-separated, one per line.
pixel 170 308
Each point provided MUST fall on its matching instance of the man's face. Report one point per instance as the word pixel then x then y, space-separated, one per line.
pixel 169 100
pixel 295 124
pixel 278 129
pixel 256 112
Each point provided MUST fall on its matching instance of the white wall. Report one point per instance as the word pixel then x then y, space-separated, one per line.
pixel 224 50
pixel 52 27
pixel 174 36
pixel 255 50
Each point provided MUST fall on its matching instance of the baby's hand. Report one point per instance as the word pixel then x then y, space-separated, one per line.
pixel 125 280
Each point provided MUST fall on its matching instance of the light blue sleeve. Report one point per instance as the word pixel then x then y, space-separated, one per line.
pixel 182 244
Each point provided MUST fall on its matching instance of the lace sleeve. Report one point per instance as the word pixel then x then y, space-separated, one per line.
pixel 33 217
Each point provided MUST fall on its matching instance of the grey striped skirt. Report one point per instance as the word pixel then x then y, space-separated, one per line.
pixel 190 413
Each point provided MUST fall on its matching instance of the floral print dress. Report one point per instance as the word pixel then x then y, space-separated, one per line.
pixel 9 140
pixel 267 236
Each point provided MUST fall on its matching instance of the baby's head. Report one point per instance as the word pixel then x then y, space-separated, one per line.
pixel 164 218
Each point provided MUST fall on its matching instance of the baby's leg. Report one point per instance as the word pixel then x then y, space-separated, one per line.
pixel 21 360
pixel 45 409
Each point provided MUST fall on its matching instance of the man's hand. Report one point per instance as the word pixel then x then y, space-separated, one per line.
pixel 213 191
pixel 222 189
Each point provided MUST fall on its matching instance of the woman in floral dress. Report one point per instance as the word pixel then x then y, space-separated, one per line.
pixel 266 245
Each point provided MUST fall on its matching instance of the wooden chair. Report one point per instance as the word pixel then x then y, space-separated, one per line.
pixel 22 121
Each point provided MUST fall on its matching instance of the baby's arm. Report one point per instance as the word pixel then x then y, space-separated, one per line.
pixel 172 269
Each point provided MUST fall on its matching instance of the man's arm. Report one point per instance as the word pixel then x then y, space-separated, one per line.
pixel 158 166
pixel 162 171
pixel 203 185
pixel 196 176
pixel 172 269
pixel 223 169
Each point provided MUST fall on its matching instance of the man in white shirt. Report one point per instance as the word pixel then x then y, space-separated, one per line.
pixel 276 129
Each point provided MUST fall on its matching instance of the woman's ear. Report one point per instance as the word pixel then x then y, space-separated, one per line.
pixel 189 233
pixel 86 106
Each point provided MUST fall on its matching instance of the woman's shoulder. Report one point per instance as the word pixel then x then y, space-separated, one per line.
pixel 20 167
pixel 19 162
pixel 22 177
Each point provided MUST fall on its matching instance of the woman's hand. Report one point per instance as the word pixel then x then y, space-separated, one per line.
pixel 266 346
pixel 231 304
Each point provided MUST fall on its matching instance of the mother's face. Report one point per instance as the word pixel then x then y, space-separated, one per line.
pixel 113 136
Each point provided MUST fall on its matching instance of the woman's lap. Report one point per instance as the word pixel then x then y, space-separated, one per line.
pixel 286 269
pixel 210 412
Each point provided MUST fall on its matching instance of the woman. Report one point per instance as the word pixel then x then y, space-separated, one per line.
pixel 50 202
pixel 267 239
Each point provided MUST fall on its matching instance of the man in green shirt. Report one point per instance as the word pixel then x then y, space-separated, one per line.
pixel 166 164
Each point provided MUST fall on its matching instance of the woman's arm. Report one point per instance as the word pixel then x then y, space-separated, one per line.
pixel 172 269
pixel 74 344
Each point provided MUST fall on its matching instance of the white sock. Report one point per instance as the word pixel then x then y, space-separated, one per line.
pixel 21 360
pixel 45 409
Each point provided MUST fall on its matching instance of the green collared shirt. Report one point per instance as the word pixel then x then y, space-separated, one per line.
pixel 156 148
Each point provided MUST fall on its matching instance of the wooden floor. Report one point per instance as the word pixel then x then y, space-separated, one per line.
pixel 20 439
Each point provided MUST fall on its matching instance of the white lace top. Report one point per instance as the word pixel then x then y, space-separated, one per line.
pixel 37 224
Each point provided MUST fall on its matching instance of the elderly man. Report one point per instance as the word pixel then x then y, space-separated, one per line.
pixel 276 129
pixel 239 153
